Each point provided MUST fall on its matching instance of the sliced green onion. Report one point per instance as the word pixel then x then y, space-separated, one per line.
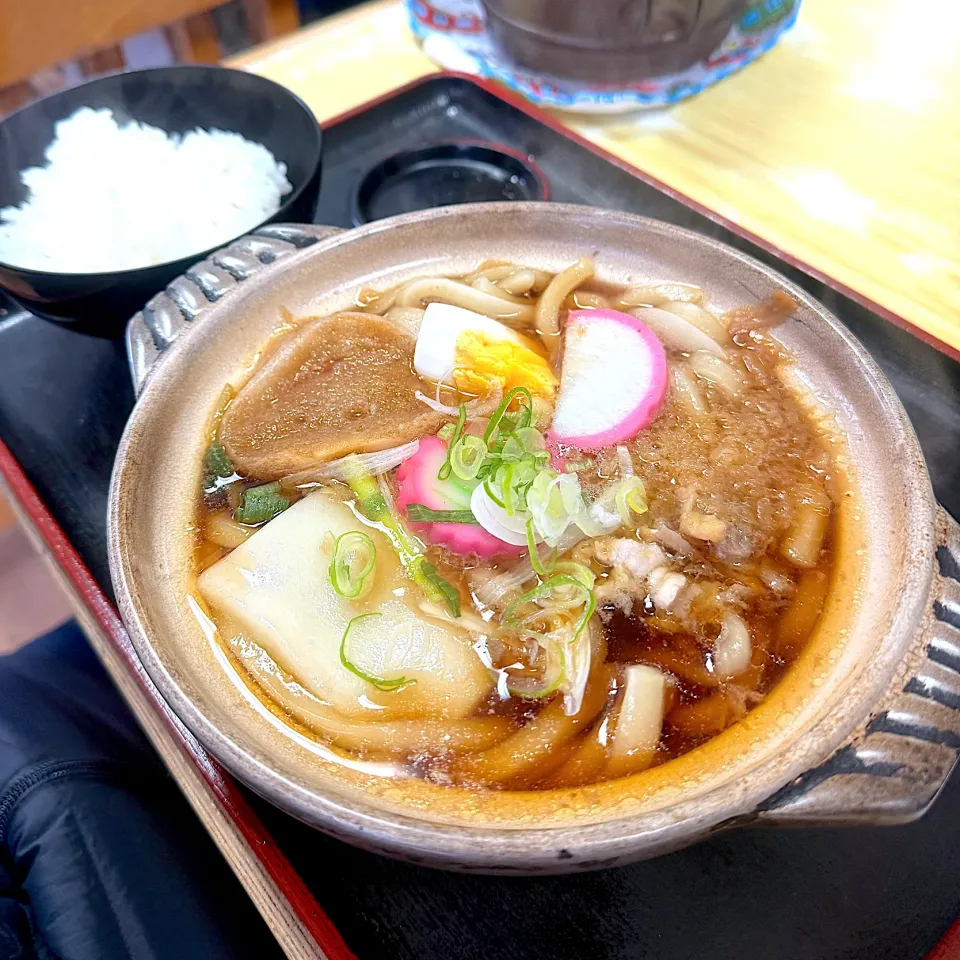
pixel 525 416
pixel 631 496
pixel 259 504
pixel 467 456
pixel 444 471
pixel 372 504
pixel 388 686
pixel 579 571
pixel 539 568
pixel 547 590
pixel 418 513
pixel 446 432
pixel 498 414
pixel 446 589
pixel 575 466
pixel 571 496
pixel 554 674
pixel 506 488
pixel 556 595
pixel 531 439
pixel 491 494
pixel 512 450
pixel 354 559
pixel 554 502
pixel 508 423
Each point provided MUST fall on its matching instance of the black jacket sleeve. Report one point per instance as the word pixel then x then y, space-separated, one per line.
pixel 104 859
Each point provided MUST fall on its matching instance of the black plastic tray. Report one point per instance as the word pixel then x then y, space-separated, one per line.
pixel 772 894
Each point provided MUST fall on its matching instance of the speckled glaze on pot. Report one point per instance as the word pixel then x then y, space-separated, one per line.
pixel 861 729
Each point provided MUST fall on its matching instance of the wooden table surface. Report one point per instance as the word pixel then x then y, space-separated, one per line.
pixel 841 146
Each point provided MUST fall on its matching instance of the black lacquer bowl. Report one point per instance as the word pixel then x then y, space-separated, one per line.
pixel 176 99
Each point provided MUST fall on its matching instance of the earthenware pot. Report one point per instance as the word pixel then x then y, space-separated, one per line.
pixel 864 727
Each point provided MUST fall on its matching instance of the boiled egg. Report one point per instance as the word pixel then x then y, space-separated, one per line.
pixel 472 352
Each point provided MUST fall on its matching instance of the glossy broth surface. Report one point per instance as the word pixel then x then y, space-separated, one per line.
pixel 714 586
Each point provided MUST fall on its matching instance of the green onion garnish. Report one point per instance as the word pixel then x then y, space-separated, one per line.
pixel 372 504
pixel 506 487
pixel 631 495
pixel 539 568
pixel 444 471
pixel 216 463
pixel 388 686
pixel 547 590
pixel 508 422
pixel 354 558
pixel 531 439
pixel 259 504
pixel 444 587
pixel 512 451
pixel 467 456
pixel 418 513
pixel 446 432
pixel 490 493
pixel 578 571
pixel 498 414
pixel 553 675
pixel 525 416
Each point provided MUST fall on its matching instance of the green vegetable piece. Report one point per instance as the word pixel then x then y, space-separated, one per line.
pixel 524 417
pixel 373 505
pixel 216 464
pixel 354 559
pixel 259 504
pixel 530 439
pixel 506 488
pixel 512 450
pixel 631 496
pixel 553 675
pixel 508 423
pixel 444 471
pixel 446 589
pixel 539 568
pixel 490 493
pixel 467 456
pixel 547 591
pixel 388 686
pixel 418 513
pixel 577 570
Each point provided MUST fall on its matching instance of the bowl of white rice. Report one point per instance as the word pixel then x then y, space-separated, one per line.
pixel 111 189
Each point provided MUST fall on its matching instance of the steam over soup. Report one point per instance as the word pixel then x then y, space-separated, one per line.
pixel 517 530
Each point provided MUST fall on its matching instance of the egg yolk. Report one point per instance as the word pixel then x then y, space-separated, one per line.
pixel 481 359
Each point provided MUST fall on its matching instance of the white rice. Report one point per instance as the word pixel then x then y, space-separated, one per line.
pixel 114 198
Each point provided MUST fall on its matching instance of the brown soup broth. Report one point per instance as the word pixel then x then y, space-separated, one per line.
pixel 741 498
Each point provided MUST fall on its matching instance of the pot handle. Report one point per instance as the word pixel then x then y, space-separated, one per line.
pixel 895 766
pixel 169 314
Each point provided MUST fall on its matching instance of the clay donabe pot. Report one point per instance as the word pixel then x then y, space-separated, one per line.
pixel 610 41
pixel 862 729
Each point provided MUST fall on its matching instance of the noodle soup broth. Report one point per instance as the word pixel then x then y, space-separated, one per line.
pixel 518 530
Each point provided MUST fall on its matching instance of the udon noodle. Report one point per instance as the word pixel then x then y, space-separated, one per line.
pixel 515 529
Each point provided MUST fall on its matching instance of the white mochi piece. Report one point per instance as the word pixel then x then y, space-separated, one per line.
pixel 275 590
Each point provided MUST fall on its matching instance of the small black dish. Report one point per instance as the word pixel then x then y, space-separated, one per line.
pixel 176 99
pixel 443 174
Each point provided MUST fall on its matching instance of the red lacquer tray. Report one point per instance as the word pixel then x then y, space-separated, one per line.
pixel 862 893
